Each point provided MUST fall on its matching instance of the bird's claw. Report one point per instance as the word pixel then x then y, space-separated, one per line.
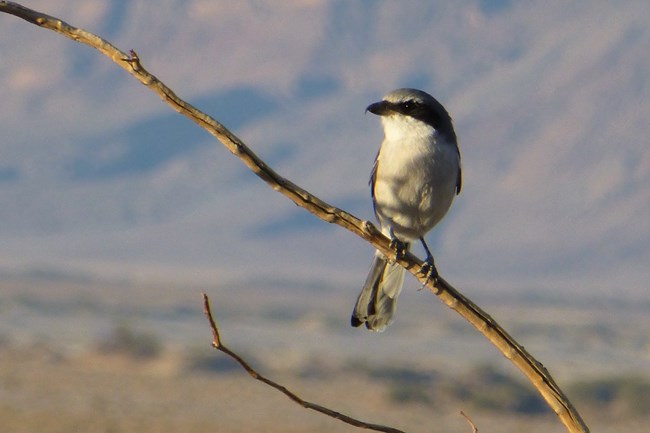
pixel 429 270
pixel 399 247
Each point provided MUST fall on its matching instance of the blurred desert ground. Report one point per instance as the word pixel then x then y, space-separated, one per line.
pixel 77 355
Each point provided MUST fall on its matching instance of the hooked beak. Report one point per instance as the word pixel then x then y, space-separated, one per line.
pixel 380 108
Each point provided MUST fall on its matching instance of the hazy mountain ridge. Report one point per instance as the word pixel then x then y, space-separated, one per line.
pixel 550 102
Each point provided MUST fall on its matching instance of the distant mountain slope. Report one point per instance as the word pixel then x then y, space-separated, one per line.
pixel 551 102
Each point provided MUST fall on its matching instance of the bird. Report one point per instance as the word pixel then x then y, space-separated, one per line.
pixel 414 180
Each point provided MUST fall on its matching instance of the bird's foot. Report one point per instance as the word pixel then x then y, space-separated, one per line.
pixel 399 247
pixel 429 270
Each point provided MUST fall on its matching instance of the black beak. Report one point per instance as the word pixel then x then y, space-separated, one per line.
pixel 380 108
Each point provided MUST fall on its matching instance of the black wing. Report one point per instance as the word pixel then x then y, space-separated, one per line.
pixel 459 177
pixel 373 180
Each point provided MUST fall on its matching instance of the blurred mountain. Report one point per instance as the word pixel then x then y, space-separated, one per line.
pixel 551 104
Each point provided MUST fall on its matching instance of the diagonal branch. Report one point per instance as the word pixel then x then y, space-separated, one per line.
pixel 529 366
pixel 217 343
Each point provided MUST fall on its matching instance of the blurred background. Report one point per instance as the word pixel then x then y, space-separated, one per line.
pixel 117 212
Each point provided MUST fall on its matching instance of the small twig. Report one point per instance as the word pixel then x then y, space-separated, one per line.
pixel 216 338
pixel 217 343
pixel 469 420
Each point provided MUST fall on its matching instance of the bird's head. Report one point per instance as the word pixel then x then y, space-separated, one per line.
pixel 412 111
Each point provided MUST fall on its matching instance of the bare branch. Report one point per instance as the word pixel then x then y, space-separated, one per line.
pixel 217 343
pixel 529 366
pixel 471 423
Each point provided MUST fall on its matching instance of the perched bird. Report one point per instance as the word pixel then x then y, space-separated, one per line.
pixel 415 177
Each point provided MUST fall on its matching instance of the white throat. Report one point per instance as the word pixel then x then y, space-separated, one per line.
pixel 398 127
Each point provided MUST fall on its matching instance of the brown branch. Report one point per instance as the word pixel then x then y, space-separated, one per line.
pixel 529 366
pixel 217 343
pixel 470 422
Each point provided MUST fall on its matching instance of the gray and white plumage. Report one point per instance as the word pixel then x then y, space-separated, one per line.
pixel 415 177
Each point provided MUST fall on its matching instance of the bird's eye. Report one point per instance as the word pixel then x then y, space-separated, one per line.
pixel 410 105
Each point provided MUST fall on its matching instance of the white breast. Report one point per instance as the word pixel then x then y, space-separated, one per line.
pixel 416 177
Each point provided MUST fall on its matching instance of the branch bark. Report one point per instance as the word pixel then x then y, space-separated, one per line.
pixel 534 371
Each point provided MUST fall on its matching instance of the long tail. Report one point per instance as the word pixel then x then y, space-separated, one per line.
pixel 377 301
